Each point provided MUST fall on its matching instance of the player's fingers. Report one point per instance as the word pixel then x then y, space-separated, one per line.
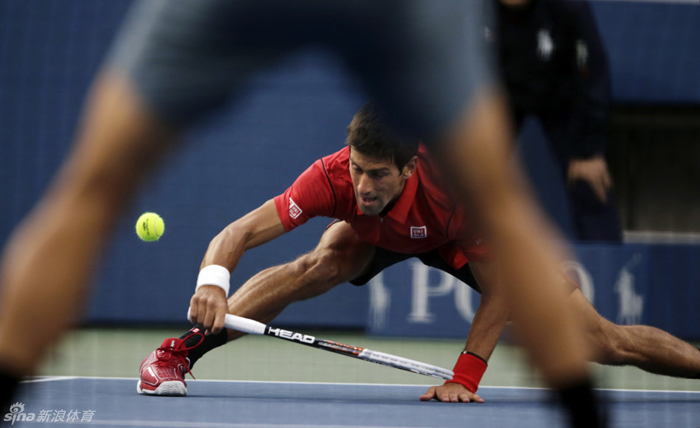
pixel 192 314
pixel 446 395
pixel 429 394
pixel 211 308
pixel 194 311
pixel 198 308
pixel 464 398
pixel 450 398
pixel 218 321
pixel 476 399
pixel 189 313
pixel 198 311
pixel 208 320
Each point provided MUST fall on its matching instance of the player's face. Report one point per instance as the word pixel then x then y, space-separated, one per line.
pixel 377 182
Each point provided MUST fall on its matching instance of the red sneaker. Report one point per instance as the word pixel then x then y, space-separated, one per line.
pixel 163 371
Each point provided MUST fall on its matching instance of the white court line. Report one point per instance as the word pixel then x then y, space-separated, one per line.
pixel 175 424
pixel 597 389
pixel 286 382
pixel 649 390
pixel 49 379
pixel 58 378
pixel 135 379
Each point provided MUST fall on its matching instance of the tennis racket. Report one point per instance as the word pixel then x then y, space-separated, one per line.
pixel 246 325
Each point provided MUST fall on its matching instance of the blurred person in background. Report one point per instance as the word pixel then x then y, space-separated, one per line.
pixel 554 67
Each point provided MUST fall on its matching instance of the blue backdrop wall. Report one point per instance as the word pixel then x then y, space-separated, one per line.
pixel 290 116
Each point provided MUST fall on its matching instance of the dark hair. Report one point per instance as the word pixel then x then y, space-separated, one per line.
pixel 370 134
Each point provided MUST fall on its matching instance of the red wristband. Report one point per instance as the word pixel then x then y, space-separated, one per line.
pixel 468 371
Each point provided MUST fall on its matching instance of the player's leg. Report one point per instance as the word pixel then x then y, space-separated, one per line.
pixel 645 347
pixel 47 263
pixel 339 257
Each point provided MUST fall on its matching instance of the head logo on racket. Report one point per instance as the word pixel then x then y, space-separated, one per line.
pixel 286 334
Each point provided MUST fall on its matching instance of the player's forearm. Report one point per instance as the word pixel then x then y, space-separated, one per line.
pixel 476 153
pixel 253 229
pixel 539 291
pixel 488 324
pixel 227 248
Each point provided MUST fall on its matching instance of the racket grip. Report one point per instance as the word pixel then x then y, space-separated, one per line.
pixel 244 325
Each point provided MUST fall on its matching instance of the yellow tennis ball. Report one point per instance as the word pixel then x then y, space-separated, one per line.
pixel 150 227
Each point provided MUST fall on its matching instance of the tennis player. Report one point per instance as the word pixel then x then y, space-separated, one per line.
pixel 391 205
pixel 175 62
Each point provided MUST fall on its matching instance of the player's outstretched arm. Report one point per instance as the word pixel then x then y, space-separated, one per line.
pixel 208 305
pixel 488 324
pixel 477 154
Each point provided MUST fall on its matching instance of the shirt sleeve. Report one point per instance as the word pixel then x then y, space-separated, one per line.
pixel 473 248
pixel 468 243
pixel 311 195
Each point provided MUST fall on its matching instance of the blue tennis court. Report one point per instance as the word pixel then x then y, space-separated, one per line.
pixel 113 402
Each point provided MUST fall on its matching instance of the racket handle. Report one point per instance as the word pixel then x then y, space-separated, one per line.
pixel 244 325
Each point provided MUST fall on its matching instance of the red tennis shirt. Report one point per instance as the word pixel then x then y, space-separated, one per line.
pixel 424 218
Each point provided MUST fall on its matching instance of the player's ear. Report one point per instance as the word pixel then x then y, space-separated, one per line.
pixel 410 167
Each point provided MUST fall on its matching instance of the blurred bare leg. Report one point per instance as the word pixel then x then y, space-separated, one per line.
pixel 47 264
pixel 478 156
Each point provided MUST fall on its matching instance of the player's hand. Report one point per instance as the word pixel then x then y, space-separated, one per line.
pixel 594 171
pixel 208 308
pixel 451 393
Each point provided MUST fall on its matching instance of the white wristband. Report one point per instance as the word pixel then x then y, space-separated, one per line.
pixel 214 275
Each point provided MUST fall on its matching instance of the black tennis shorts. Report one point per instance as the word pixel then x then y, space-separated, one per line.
pixel 384 258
